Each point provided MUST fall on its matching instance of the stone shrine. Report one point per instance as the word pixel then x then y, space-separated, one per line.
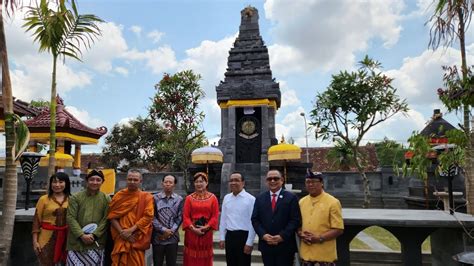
pixel 248 98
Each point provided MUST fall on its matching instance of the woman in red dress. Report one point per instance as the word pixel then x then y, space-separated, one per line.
pixel 200 219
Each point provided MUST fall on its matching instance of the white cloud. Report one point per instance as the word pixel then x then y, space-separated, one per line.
pixel 424 8
pixel 32 77
pixel 213 116
pixel 125 121
pixel 325 34
pixel 398 128
pixel 158 60
pixel 288 96
pixel 137 30
pixel 84 117
pixel 155 36
pixel 109 47
pixel 31 70
pixel 292 126
pixel 419 77
pixel 212 141
pixel 210 60
pixel 285 59
pixel 121 70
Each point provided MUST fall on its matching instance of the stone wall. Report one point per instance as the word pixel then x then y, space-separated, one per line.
pixel 387 189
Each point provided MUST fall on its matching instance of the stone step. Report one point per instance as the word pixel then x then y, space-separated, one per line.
pixel 219 256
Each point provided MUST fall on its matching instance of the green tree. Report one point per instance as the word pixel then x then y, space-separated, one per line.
pixel 453 156
pixel 176 105
pixel 353 104
pixel 390 152
pixel 422 156
pixel 137 143
pixel 61 32
pixel 449 24
pixel 16 139
pixel 419 147
pixel 341 156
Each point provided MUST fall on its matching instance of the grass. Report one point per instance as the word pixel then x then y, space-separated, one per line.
pixel 357 244
pixel 386 238
pixel 383 236
pixel 380 234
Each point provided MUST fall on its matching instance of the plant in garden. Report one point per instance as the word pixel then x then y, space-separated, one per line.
pixel 455 155
pixel 389 152
pixel 340 156
pixel 176 105
pixel 419 147
pixel 422 156
pixel 354 103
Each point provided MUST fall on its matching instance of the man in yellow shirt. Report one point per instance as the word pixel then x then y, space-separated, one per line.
pixel 321 223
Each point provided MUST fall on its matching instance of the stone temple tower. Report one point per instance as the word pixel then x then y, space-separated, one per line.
pixel 248 98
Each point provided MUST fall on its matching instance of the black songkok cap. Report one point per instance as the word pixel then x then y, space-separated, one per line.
pixel 97 173
pixel 314 175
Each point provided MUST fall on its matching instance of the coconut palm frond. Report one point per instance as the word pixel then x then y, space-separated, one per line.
pixel 445 19
pixel 62 31
pixel 22 135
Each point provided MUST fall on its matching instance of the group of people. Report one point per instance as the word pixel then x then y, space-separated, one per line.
pixel 278 216
pixel 72 229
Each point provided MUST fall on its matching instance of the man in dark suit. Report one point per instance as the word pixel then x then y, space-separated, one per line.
pixel 276 217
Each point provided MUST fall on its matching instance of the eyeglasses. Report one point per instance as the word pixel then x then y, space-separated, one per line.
pixel 269 179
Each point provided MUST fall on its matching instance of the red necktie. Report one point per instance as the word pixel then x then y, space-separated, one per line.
pixel 274 201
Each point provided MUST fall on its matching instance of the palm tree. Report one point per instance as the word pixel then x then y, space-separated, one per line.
pixel 61 32
pixel 16 140
pixel 341 156
pixel 449 24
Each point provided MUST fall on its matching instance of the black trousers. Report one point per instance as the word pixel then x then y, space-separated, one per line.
pixel 169 251
pixel 278 259
pixel 234 248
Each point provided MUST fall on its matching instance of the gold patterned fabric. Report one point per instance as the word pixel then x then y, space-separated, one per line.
pixel 48 210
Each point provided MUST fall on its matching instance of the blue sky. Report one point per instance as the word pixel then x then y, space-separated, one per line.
pixel 308 42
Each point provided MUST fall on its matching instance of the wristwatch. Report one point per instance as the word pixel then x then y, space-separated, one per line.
pixel 321 239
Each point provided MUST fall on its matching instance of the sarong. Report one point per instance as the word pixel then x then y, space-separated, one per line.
pixel 86 258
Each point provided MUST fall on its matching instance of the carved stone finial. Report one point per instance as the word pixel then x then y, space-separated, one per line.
pixel 249 11
pixel 249 15
pixel 59 100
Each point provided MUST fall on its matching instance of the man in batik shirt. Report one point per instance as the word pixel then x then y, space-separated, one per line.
pixel 168 218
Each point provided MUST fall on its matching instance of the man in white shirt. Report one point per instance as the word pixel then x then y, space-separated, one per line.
pixel 236 230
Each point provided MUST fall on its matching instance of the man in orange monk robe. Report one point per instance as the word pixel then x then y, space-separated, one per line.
pixel 131 216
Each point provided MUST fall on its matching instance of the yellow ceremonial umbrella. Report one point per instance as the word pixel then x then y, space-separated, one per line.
pixel 62 160
pixel 284 152
pixel 207 155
